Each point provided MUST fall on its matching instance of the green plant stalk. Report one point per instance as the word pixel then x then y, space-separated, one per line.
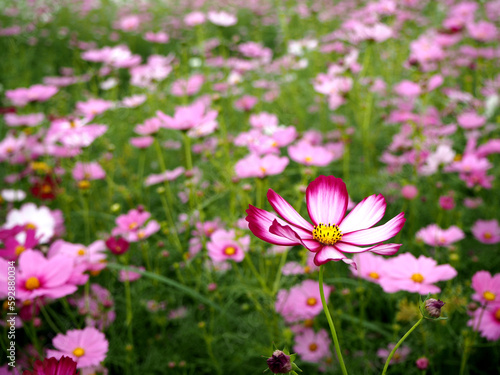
pixel 330 322
pixel 399 344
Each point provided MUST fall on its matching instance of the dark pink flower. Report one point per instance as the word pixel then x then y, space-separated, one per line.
pixel 331 235
pixel 52 366
pixel 486 231
pixel 487 287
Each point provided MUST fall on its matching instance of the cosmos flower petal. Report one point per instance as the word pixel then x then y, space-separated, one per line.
pixel 366 214
pixel 326 254
pixel 327 200
pixel 386 249
pixel 286 211
pixel 259 222
pixel 375 235
pixel 287 232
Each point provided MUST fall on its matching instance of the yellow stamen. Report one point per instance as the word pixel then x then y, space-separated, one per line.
pixel 229 250
pixel 374 275
pixel 29 226
pixel 19 250
pixel 46 189
pixel 311 301
pixel 487 235
pixel 308 323
pixel 327 234
pixel 132 225
pixel 32 283
pixel 417 277
pixel 488 296
pixel 83 184
pixel 307 269
pixel 309 159
pixel 141 235
pixel 81 252
pixel 497 314
pixel 78 352
pixel 313 347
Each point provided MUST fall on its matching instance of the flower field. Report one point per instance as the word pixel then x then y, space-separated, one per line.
pixel 227 187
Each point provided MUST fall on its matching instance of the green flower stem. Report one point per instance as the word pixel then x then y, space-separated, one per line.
pixel 330 322
pixel 187 150
pixel 399 344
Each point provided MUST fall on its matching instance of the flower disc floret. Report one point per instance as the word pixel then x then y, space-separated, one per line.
pixel 327 234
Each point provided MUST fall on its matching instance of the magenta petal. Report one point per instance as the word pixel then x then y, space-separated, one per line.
pixel 327 200
pixel 326 254
pixel 366 214
pixel 259 222
pixel 288 232
pixel 386 249
pixel 375 235
pixel 286 211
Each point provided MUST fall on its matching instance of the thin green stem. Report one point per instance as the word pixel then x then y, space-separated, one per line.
pixel 399 344
pixel 330 322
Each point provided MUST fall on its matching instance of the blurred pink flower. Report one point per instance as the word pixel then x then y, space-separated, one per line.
pixel 255 166
pixel 132 226
pixel 88 171
pixel 196 115
pixel 87 347
pixel 482 31
pixel 311 346
pixel 224 246
pixel 369 267
pixel 331 235
pixel 405 272
pixel 159 37
pixel 400 355
pixel 487 321
pixel 93 107
pixel 432 235
pixel 130 275
pixel 304 153
pixel 486 287
pixel 141 142
pixel 33 119
pixel 194 18
pixel 486 231
pixel 471 120
pixel 154 179
pixel 409 192
pixel 222 18
pixel 36 93
pixel 189 86
pixel 245 103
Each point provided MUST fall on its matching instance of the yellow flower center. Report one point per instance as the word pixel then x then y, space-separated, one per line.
pixel 263 170
pixel 83 184
pixel 46 189
pixel 497 314
pixel 307 269
pixel 488 296
pixel 374 275
pixel 78 352
pixel 308 323
pixel 132 225
pixel 29 226
pixel 19 249
pixel 309 159
pixel 311 301
pixel 487 235
pixel 417 277
pixel 32 283
pixel 81 252
pixel 327 234
pixel 313 347
pixel 141 235
pixel 229 250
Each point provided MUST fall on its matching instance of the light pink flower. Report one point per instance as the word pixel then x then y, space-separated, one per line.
pixel 159 37
pixel 305 153
pixel 36 93
pixel 87 347
pixel 311 346
pixel 405 272
pixel 194 18
pixel 41 277
pixel 154 179
pixel 130 275
pixel 432 235
pixel 488 320
pixel 224 246
pixel 132 226
pixel 409 192
pixel 255 166
pixel 222 18
pixel 90 258
pixel 471 120
pixel 408 89
pixel 331 235
pixel 189 117
pixel 133 101
pixel 369 267
pixel 301 302
pixel 483 31
pixel 93 107
pixel 486 231
pixel 141 142
pixel 486 287
pixel 33 119
pixel 399 356
pixel 245 103
pixel 188 87
pixel 29 215
pixel 88 171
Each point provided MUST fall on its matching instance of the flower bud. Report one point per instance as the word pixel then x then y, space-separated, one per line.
pixel 433 307
pixel 279 363
pixel 422 363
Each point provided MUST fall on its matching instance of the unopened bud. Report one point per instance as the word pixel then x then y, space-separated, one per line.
pixel 279 363
pixel 422 363
pixel 433 307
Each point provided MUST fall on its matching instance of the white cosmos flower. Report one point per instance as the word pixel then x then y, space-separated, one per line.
pixel 38 217
pixel 12 195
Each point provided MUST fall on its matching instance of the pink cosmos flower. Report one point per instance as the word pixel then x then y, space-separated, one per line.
pixel 369 267
pixel 224 246
pixel 331 235
pixel 189 87
pixel 301 302
pixel 93 107
pixel 409 192
pixel 154 179
pixel 87 347
pixel 405 272
pixel 33 119
pixel 255 166
pixel 194 18
pixel 222 18
pixel 188 117
pixel 488 320
pixel 432 235
pixel 311 346
pixel 245 103
pixel 41 277
pixel 305 153
pixel 132 226
pixel 88 171
pixel 141 142
pixel 159 37
pixel 63 366
pixel 471 120
pixel 130 275
pixel 483 31
pixel 16 241
pixel 487 287
pixel 408 89
pixel 90 258
pixel 486 231
pixel 399 356
pixel 36 93
pixel 133 101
